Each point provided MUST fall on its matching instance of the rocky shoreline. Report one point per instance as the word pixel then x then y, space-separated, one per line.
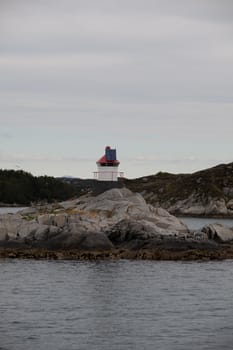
pixel 204 216
pixel 117 224
pixel 217 253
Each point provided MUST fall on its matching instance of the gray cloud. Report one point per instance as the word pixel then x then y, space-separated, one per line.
pixel 22 158
pixel 5 135
pixel 199 8
pixel 155 74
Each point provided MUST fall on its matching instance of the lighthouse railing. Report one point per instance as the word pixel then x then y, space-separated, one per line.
pixel 113 174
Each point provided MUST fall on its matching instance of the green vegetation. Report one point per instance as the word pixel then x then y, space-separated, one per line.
pixel 216 182
pixel 20 187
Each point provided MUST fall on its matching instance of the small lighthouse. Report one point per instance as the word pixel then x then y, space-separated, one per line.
pixel 108 166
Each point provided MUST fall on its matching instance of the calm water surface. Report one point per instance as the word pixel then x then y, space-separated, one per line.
pixel 10 210
pixel 66 305
pixel 198 223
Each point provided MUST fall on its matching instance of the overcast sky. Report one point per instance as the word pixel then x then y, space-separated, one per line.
pixel 153 78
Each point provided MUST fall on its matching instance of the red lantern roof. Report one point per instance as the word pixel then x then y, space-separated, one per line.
pixel 103 160
pixel 109 158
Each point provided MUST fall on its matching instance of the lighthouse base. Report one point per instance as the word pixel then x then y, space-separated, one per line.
pixel 107 173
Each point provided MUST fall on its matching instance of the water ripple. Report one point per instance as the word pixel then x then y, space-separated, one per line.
pixel 115 305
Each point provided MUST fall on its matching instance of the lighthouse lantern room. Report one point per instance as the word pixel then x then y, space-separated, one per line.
pixel 108 166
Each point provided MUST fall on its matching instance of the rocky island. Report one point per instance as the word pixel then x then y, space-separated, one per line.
pixel 115 224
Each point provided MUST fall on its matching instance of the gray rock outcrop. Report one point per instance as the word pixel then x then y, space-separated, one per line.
pixel 218 232
pixel 115 218
pixel 193 206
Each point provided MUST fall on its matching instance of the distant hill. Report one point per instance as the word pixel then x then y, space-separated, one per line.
pixel 206 192
pixel 22 188
pixel 94 187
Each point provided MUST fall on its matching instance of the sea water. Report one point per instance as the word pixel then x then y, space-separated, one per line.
pixel 10 210
pixel 68 305
pixel 198 223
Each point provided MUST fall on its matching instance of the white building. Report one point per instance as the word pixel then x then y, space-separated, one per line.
pixel 108 166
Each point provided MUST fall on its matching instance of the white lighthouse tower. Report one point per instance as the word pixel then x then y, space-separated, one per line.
pixel 108 166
